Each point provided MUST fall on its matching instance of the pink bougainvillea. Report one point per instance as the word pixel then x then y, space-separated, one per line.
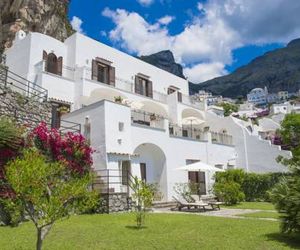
pixel 71 148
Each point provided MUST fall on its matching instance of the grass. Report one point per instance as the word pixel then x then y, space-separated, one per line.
pixel 253 205
pixel 263 214
pixel 163 231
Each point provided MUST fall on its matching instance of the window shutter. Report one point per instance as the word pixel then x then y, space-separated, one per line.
pixel 137 85
pixel 112 76
pixel 150 89
pixel 179 96
pixel 45 57
pixel 94 70
pixel 59 65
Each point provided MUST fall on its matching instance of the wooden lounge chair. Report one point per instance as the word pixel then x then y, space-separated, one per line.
pixel 181 203
pixel 211 202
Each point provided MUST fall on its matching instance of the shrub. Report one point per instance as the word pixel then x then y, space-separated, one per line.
pixel 229 192
pixel 254 186
pixel 143 197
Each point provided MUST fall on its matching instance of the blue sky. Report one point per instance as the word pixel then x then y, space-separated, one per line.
pixel 208 37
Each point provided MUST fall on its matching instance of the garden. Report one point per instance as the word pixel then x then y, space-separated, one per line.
pixel 46 201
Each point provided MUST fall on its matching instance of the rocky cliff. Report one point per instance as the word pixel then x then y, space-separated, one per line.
pixel 278 70
pixel 164 60
pixel 44 16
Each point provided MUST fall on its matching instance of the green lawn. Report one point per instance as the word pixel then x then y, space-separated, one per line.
pixel 263 214
pixel 253 205
pixel 163 231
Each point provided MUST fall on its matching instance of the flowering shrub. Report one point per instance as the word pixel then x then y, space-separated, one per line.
pixel 70 149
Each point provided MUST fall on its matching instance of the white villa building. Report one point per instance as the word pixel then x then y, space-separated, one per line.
pixel 137 117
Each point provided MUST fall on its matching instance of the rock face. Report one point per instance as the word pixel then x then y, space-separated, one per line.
pixel 47 17
pixel 278 70
pixel 164 60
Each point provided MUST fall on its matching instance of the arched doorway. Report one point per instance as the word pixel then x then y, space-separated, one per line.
pixel 150 165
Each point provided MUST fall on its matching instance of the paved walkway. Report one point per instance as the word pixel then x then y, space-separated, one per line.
pixel 223 212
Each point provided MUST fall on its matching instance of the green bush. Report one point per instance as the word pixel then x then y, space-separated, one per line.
pixel 229 192
pixel 254 186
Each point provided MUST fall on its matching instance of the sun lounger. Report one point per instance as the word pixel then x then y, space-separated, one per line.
pixel 181 203
pixel 211 202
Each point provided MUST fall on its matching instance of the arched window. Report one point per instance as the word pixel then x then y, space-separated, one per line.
pixel 53 64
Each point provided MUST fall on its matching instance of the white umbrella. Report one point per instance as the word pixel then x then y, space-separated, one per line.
pixel 199 166
pixel 134 104
pixel 191 120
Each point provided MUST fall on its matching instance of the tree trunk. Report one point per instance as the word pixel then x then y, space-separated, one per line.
pixel 41 234
pixel 39 241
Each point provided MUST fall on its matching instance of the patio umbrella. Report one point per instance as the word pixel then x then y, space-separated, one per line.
pixel 134 104
pixel 191 120
pixel 199 166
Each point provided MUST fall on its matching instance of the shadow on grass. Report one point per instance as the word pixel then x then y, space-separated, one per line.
pixel 291 241
pixel 135 227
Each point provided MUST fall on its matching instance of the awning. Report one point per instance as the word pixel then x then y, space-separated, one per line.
pixel 199 166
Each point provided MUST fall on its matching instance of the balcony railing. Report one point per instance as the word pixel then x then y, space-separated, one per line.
pixel 147 119
pixel 67 71
pixel 21 85
pixel 126 85
pixel 221 138
pixel 190 101
pixel 187 132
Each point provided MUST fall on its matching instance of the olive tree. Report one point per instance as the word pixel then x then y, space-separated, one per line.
pixel 47 190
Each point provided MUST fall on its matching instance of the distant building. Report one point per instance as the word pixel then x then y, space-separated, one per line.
pixel 283 108
pixel 272 98
pixel 210 98
pixel 258 96
pixel 283 95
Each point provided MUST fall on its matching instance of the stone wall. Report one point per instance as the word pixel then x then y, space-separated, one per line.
pixel 25 110
pixel 114 202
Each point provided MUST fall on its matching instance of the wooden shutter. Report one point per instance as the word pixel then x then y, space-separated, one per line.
pixel 112 76
pixel 59 65
pixel 179 96
pixel 94 70
pixel 150 89
pixel 45 58
pixel 137 88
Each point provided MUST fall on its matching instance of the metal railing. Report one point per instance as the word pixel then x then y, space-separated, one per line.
pixel 187 132
pixel 125 85
pixel 21 85
pixel 221 138
pixel 147 119
pixel 67 71
pixel 190 101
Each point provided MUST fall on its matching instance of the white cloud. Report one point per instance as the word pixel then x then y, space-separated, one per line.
pixel 166 20
pixel 204 71
pixel 145 2
pixel 76 23
pixel 209 38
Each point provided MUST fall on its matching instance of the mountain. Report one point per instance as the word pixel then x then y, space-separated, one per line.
pixel 47 17
pixel 278 70
pixel 164 60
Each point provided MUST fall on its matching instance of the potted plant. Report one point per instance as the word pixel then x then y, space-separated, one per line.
pixel 118 99
pixel 63 110
pixel 153 117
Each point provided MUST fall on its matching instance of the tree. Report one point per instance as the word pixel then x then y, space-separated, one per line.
pixel 286 194
pixel 228 108
pixel 143 197
pixel 47 190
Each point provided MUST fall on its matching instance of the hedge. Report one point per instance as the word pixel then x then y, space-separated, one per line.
pixel 254 186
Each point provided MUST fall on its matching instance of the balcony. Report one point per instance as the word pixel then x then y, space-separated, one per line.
pixel 147 119
pixel 221 138
pixel 190 101
pixel 125 85
pixel 187 132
